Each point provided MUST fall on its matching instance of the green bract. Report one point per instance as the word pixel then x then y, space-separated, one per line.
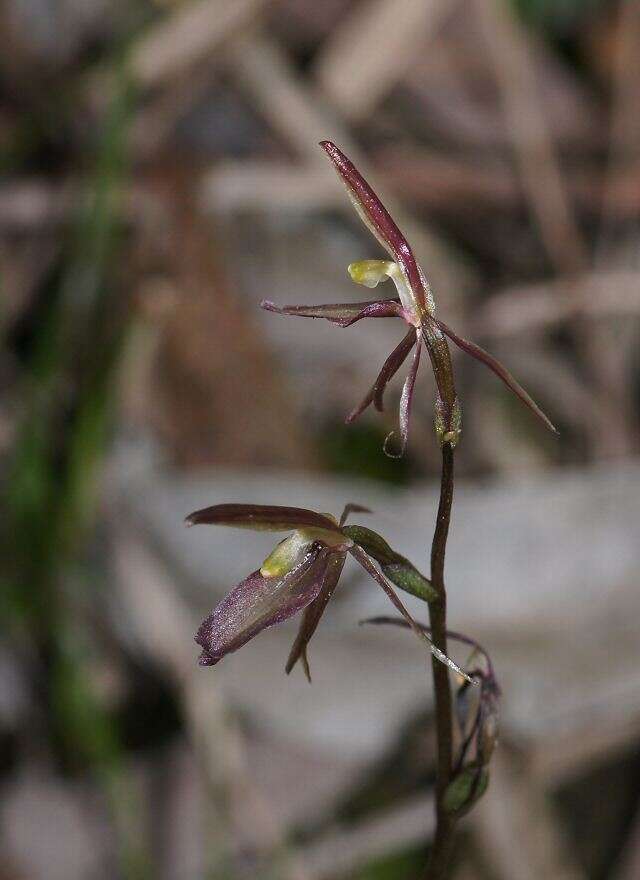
pixel 396 567
pixel 466 789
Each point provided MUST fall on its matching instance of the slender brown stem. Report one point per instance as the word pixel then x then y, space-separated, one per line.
pixel 443 840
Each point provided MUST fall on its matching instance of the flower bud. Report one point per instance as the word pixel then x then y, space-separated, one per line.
pixel 466 788
pixel 489 720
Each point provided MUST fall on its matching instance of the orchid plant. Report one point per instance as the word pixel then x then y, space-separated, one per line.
pixel 303 571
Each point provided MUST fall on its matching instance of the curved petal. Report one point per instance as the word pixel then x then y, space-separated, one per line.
pixel 259 602
pixel 406 401
pixel 350 508
pixel 496 367
pixel 312 615
pixel 261 517
pixel 343 314
pixel 378 220
pixel 390 367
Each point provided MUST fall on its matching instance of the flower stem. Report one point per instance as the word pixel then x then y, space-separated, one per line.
pixel 442 844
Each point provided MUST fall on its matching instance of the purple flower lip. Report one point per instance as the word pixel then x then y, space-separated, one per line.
pixel 301 568
pixel 414 305
pixel 259 602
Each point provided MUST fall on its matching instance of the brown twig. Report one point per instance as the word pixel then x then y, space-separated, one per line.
pixel 535 151
pixel 443 840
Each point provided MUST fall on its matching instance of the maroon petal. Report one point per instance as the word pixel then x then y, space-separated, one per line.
pixel 313 613
pixel 260 517
pixel 377 219
pixel 343 314
pixel 350 508
pixel 388 371
pixel 440 356
pixel 496 367
pixel 259 602
pixel 406 401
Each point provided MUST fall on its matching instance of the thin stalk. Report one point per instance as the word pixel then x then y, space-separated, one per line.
pixel 441 847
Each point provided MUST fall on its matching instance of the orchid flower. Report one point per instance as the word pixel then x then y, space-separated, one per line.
pixel 301 574
pixel 414 304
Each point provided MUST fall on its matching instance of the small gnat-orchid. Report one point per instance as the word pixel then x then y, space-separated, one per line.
pixel 414 304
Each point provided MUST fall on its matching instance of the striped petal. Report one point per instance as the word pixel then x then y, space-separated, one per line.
pixel 259 602
pixel 261 518
pixel 390 367
pixel 496 367
pixel 378 220
pixel 312 615
pixel 343 314
pixel 406 401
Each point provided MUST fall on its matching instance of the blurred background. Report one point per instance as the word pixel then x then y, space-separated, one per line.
pixel 159 176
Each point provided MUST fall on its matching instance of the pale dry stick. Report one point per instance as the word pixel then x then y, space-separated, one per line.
pixel 343 851
pixel 368 53
pixel 176 57
pixel 208 719
pixel 555 760
pixel 165 635
pixel 544 368
pixel 33 205
pixel 172 46
pixel 234 186
pixel 624 146
pixel 428 180
pixel 434 180
pixel 517 829
pixel 168 637
pixel 261 67
pixel 536 308
pixel 156 118
pixel 299 114
pixel 189 35
pixel 533 144
pixel 624 152
pixel 543 183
